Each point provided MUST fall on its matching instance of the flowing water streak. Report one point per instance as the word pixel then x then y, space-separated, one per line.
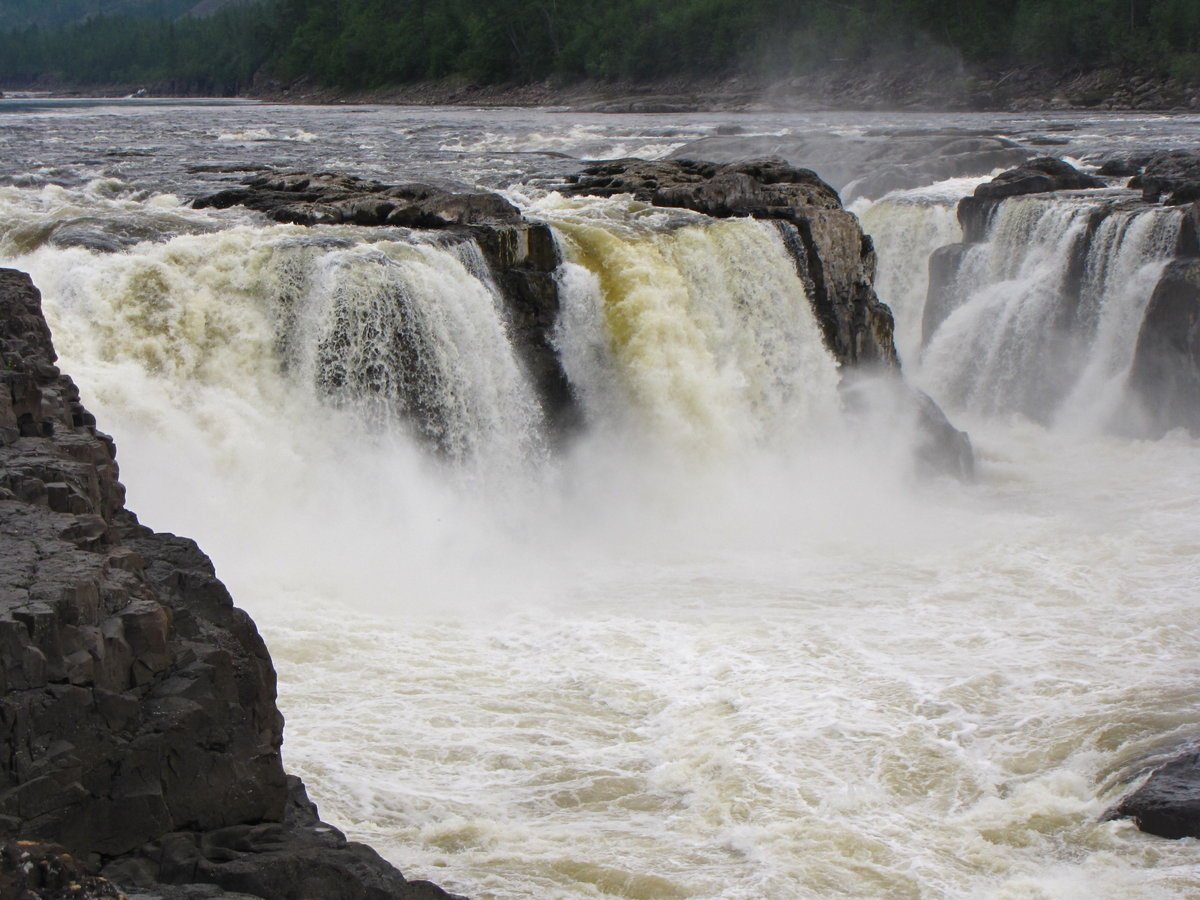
pixel 1126 258
pixel 906 228
pixel 1034 336
pixel 700 330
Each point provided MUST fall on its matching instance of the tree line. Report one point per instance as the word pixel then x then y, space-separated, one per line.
pixel 371 43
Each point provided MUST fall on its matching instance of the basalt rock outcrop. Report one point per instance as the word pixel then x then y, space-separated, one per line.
pixel 1172 177
pixel 325 198
pixel 137 702
pixel 1168 803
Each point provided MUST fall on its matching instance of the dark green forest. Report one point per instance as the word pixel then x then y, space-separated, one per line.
pixel 371 43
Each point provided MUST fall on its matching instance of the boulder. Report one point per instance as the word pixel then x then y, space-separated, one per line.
pixel 1172 177
pixel 136 701
pixel 1123 166
pixel 1168 804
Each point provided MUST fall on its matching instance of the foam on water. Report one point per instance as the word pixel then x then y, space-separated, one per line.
pixel 793 705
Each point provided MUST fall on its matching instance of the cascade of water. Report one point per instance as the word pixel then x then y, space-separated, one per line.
pixel 409 334
pixel 1049 307
pixel 700 331
pixel 1126 258
pixel 905 231
pixel 399 333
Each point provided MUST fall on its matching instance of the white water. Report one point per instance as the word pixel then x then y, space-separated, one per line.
pixel 725 646
pixel 906 226
pixel 1019 340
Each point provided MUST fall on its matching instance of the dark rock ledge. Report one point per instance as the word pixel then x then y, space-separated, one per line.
pixel 1168 803
pixel 138 724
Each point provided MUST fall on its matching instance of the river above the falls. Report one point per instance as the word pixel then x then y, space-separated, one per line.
pixel 783 667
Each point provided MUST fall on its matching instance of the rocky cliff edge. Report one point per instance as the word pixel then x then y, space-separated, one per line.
pixel 138 723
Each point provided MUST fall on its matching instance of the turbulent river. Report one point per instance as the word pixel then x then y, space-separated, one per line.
pixel 724 643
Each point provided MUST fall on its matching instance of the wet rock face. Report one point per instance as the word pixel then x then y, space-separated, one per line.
pixel 1168 804
pixel 135 699
pixel 1166 366
pixel 833 256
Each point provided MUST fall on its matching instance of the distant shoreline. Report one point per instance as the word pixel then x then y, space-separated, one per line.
pixel 919 90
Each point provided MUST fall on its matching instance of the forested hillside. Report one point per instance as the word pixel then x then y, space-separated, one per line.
pixel 370 43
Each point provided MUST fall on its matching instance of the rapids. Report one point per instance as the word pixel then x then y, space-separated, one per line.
pixel 721 644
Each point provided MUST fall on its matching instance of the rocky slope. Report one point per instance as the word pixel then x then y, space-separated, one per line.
pixel 138 724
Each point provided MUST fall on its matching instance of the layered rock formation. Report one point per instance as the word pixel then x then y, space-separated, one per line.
pixel 138 724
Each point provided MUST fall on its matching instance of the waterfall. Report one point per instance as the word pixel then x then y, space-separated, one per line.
pixel 401 334
pixel 693 332
pixel 1007 347
pixel 1041 318
pixel 906 229
pixel 699 332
